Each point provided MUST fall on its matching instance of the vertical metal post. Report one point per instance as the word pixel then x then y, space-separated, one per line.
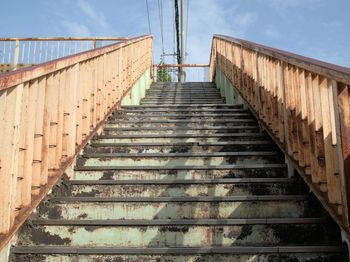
pixel 182 36
pixel 16 55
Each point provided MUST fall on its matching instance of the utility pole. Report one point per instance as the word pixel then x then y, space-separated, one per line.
pixel 182 36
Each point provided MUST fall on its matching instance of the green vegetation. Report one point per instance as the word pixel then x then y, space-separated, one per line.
pixel 163 74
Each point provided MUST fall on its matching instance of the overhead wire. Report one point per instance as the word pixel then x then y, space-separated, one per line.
pixel 186 34
pixel 173 35
pixel 149 21
pixel 160 11
pixel 177 29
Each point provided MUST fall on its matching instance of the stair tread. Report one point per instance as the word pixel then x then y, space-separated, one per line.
pixel 175 250
pixel 183 199
pixel 180 222
pixel 181 135
pixel 196 154
pixel 184 121
pixel 179 181
pixel 214 128
pixel 179 110
pixel 202 167
pixel 219 143
pixel 180 105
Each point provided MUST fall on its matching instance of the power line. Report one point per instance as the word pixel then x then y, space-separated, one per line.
pixel 177 27
pixel 186 34
pixel 173 33
pixel 149 21
pixel 160 11
pixel 178 55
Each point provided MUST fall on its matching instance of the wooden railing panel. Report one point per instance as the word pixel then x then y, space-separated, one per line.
pixel 304 104
pixel 49 112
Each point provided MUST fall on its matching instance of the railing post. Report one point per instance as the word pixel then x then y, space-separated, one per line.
pixel 16 55
pixel 341 98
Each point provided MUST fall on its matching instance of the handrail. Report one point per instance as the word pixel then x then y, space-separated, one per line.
pixel 304 105
pixel 50 111
pixel 63 38
pixel 339 73
pixel 19 51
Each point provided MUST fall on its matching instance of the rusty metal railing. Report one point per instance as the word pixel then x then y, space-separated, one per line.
pixel 20 52
pixel 48 113
pixel 304 105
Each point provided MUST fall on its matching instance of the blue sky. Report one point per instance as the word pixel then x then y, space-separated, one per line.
pixel 315 28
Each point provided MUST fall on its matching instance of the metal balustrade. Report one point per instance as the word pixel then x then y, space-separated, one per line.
pixel 304 105
pixel 50 111
pixel 21 52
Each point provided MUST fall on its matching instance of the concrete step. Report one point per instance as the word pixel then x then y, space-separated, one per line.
pixel 176 95
pixel 204 117
pixel 179 130
pixel 184 97
pixel 208 254
pixel 180 99
pixel 177 159
pixel 180 172
pixel 180 188
pixel 258 206
pixel 178 111
pixel 205 102
pixel 182 106
pixel 189 124
pixel 258 145
pixel 179 138
pixel 194 93
pixel 184 90
pixel 191 234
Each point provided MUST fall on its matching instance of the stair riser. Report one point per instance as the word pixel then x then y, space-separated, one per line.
pixel 180 102
pixel 178 149
pixel 195 91
pixel 178 140
pixel 175 236
pixel 183 100
pixel 179 96
pixel 183 112
pixel 176 161
pixel 200 94
pixel 185 124
pixel 179 132
pixel 302 257
pixel 186 107
pixel 177 174
pixel 180 190
pixel 177 210
pixel 174 117
pixel 183 97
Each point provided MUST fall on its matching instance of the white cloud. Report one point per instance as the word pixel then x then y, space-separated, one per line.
pixel 209 17
pixel 206 17
pixel 272 33
pixel 76 29
pixel 282 6
pixel 97 17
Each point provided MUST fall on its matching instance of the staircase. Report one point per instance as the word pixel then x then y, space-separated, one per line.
pixel 182 177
